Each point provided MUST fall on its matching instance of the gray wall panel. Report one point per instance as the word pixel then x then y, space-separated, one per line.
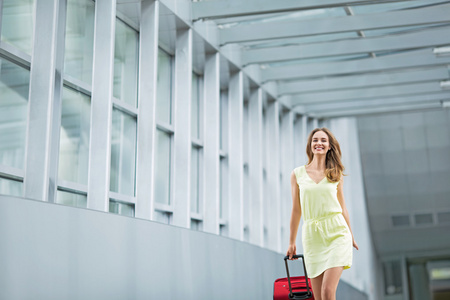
pixel 50 251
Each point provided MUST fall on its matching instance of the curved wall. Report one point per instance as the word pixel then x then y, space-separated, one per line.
pixel 50 251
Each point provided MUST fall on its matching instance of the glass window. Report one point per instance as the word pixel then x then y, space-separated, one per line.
pixel 163 167
pixel 246 234
pixel 79 49
pixel 164 88
pixel 71 199
pixel 17 23
pixel 266 207
pixel 162 217
pixel 74 137
pixel 195 180
pixel 126 63
pixel 223 186
pixel 10 187
pixel 123 153
pixel 14 85
pixel 195 108
pixel 223 119
pixel 392 277
pixel 246 204
pixel 245 132
pixel 223 230
pixel 196 225
pixel 123 209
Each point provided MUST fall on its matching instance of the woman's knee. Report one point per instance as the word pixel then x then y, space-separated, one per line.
pixel 328 292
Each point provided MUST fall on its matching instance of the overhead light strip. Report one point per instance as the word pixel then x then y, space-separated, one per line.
pixel 445 104
pixel 442 51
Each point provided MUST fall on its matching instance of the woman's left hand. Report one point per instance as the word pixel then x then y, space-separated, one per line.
pixel 355 245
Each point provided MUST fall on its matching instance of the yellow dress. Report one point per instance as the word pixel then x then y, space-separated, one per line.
pixel 327 241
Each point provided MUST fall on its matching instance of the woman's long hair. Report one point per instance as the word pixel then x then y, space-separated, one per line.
pixel 334 167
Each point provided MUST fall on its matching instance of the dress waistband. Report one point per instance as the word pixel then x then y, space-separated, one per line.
pixel 322 218
pixel 318 221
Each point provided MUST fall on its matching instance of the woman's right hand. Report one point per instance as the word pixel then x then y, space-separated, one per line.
pixel 292 250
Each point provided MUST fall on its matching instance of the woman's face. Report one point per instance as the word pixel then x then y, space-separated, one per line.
pixel 320 143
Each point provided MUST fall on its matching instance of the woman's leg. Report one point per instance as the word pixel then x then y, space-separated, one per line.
pixel 317 286
pixel 330 282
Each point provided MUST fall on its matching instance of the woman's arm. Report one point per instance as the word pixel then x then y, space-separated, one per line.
pixel 295 216
pixel 340 196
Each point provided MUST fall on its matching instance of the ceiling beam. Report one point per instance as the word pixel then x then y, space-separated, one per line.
pixel 413 59
pixel 279 30
pixel 379 110
pixel 367 93
pixel 376 102
pixel 412 40
pixel 236 8
pixel 360 81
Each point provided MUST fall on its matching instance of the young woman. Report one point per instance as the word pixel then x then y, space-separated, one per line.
pixel 317 194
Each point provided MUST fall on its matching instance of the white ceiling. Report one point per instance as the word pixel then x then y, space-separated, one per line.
pixel 340 58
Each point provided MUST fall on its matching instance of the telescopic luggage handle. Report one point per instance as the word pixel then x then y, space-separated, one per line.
pixel 291 295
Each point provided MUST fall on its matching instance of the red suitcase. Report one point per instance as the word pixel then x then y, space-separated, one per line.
pixel 293 287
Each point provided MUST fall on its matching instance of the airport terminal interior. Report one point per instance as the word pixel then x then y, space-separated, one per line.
pixel 146 147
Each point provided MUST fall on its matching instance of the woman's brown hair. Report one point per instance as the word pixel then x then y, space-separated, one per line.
pixel 334 167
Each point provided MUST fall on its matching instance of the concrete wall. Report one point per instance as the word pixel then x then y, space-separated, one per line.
pixel 50 251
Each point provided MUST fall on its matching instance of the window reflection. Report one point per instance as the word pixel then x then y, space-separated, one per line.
pixel 164 88
pixel 125 63
pixel 74 137
pixel 123 153
pixel 195 108
pixel 71 199
pixel 162 167
pixel 123 209
pixel 223 171
pixel 79 47
pixel 17 23
pixel 195 180
pixel 10 187
pixel 14 85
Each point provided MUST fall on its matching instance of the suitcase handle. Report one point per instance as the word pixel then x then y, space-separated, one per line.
pixel 291 295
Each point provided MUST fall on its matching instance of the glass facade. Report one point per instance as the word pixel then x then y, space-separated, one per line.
pixel 195 180
pixel 10 187
pixel 17 24
pixel 123 153
pixel 126 63
pixel 163 167
pixel 14 86
pixel 164 88
pixel 71 199
pixel 223 163
pixel 195 107
pixel 223 187
pixel 123 209
pixel 79 48
pixel 162 217
pixel 74 137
